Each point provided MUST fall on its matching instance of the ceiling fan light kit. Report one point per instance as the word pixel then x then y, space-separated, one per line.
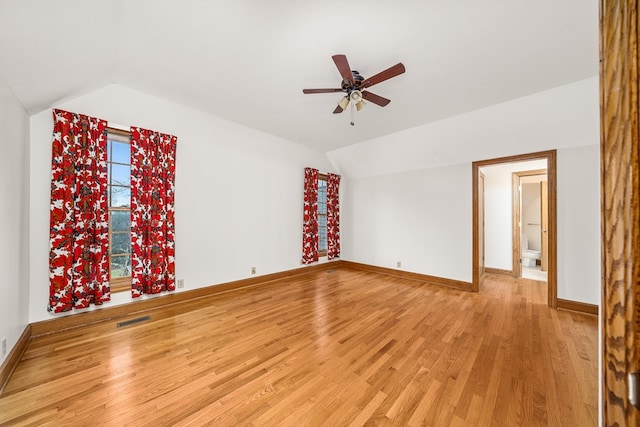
pixel 344 101
pixel 353 85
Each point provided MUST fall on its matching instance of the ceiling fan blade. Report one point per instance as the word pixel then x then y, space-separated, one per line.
pixel 338 110
pixel 321 90
pixel 376 99
pixel 383 75
pixel 344 68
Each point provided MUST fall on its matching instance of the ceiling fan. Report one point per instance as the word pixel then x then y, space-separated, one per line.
pixel 354 85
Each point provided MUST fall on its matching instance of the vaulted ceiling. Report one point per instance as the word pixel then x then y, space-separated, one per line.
pixel 248 60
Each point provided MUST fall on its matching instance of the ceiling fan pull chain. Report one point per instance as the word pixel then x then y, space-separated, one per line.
pixel 353 119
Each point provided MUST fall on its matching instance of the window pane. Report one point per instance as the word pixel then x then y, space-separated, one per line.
pixel 120 197
pixel 322 214
pixel 322 206
pixel 120 220
pixel 120 175
pixel 120 266
pixel 120 243
pixel 121 152
pixel 322 232
pixel 322 197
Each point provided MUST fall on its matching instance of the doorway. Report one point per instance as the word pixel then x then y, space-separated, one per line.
pixel 530 224
pixel 479 219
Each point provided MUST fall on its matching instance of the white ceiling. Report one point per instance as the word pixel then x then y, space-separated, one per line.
pixel 248 60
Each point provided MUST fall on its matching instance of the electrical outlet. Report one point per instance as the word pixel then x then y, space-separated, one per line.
pixel 181 283
pixel 4 347
pixel 253 270
pixel 399 264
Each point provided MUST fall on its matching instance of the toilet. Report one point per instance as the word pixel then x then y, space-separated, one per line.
pixel 529 256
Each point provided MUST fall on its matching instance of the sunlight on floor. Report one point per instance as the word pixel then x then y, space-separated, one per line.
pixel 534 273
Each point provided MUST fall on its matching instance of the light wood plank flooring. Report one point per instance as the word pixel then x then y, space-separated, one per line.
pixel 343 347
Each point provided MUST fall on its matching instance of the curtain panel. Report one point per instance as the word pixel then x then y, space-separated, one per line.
pixel 78 218
pixel 333 216
pixel 310 217
pixel 153 157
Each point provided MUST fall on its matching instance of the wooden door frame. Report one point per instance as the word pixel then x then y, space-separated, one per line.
pixel 552 275
pixel 544 225
pixel 620 193
pixel 482 229
pixel 516 229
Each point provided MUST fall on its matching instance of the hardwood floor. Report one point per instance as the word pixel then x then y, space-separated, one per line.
pixel 343 347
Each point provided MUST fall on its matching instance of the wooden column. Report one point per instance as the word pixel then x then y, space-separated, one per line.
pixel 620 188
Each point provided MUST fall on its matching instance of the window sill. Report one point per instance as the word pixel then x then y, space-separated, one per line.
pixel 121 284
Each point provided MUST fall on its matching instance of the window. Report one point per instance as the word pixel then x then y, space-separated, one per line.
pixel 322 215
pixel 119 199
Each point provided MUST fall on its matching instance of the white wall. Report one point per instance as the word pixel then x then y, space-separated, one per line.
pixel 498 194
pixel 579 224
pixel 14 208
pixel 238 191
pixel 420 218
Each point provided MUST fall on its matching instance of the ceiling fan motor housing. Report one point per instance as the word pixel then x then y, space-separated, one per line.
pixel 357 79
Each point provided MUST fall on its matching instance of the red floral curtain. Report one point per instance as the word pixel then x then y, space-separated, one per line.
pixel 153 164
pixel 79 228
pixel 333 216
pixel 310 217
